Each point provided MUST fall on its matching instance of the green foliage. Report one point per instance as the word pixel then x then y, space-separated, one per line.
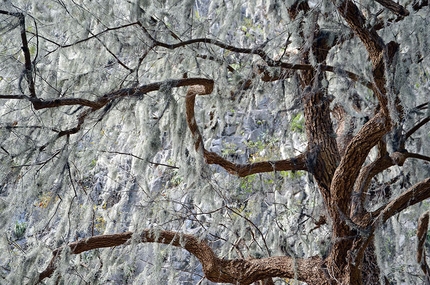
pixel 293 174
pixel 247 184
pixel 298 123
pixel 20 228
pixel 262 150
pixel 229 149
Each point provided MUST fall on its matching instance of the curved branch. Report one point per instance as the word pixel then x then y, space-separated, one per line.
pixel 416 128
pixel 413 195
pixel 125 92
pixel 355 155
pixel 362 184
pixel 107 98
pixel 353 16
pixel 366 175
pixel 261 53
pixel 297 163
pixel 380 54
pixel 236 271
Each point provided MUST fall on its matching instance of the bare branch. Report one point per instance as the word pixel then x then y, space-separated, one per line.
pixel 362 184
pixel 125 92
pixel 355 155
pixel 28 72
pixel 135 156
pixel 423 224
pixel 394 7
pixel 418 156
pixel 350 12
pixel 242 170
pixel 416 128
pixel 19 97
pixel 413 195
pixel 261 53
pixel 236 271
pixel 89 38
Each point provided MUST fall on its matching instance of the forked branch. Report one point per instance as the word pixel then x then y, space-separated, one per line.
pixel 235 271
pixel 259 51
pixel 355 155
pixel 413 195
pixel 107 98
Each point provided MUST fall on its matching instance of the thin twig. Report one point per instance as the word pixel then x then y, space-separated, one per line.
pixel 135 156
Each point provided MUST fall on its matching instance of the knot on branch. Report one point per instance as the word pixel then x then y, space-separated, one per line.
pixel 200 89
pixel 398 158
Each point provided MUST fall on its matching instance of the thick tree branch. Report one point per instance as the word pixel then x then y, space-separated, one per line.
pixel 355 155
pixel 297 163
pixel 417 156
pixel 236 271
pixel 353 16
pixel 394 7
pixel 357 213
pixel 413 195
pixel 423 224
pixel 362 184
pixel 380 54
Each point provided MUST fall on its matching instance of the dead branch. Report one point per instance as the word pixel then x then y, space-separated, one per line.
pixel 93 36
pixel 19 97
pixel 135 156
pixel 236 271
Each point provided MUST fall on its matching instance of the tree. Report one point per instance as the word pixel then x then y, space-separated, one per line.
pixel 120 126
